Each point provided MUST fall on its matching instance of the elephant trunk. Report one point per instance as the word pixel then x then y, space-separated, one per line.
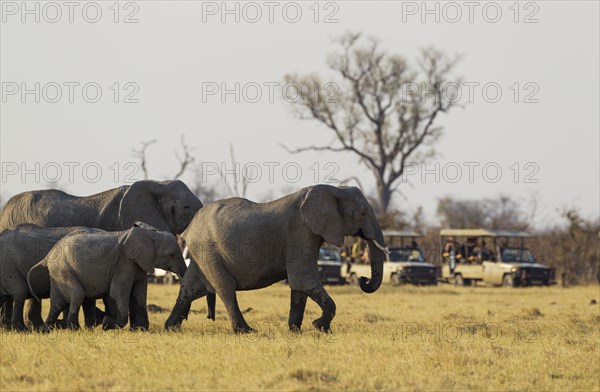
pixel 377 256
pixel 180 271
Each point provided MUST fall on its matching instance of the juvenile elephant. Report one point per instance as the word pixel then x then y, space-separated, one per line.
pixel 21 248
pixel 165 205
pixel 89 264
pixel 241 245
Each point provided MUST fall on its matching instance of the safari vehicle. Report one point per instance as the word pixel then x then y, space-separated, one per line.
pixel 330 265
pixel 506 261
pixel 404 264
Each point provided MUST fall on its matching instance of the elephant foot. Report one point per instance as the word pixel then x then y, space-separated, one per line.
pixel 173 323
pixel 244 329
pixel 62 324
pixel 322 325
pixel 47 328
pixel 141 328
pixel 295 328
pixel 108 323
pixel 19 327
pixel 172 327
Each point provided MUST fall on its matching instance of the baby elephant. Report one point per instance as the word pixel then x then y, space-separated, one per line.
pixel 91 263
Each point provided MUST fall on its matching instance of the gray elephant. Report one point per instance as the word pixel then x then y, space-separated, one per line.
pixel 241 245
pixel 89 264
pixel 21 248
pixel 165 205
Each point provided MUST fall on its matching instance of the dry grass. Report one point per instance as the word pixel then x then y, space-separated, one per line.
pixel 406 338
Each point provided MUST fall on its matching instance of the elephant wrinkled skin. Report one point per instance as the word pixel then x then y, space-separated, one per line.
pixel 89 264
pixel 241 245
pixel 165 205
pixel 21 247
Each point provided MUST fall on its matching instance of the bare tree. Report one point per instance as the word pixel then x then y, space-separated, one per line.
pixel 185 160
pixel 240 177
pixel 238 187
pixel 141 155
pixel 382 109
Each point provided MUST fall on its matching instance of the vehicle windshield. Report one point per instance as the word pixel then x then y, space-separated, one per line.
pixel 329 255
pixel 521 255
pixel 400 255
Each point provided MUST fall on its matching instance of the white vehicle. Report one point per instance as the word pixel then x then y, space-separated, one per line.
pixel 404 264
pixel 495 257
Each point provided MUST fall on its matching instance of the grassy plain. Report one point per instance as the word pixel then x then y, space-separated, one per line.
pixel 400 338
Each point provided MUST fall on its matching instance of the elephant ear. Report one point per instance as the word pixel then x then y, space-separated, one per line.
pixel 141 202
pixel 139 248
pixel 322 212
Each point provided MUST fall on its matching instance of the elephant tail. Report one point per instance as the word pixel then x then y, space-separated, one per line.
pixel 37 273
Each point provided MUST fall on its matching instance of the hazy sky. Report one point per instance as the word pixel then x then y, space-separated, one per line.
pixel 178 50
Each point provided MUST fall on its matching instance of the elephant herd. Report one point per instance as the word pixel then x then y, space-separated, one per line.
pixel 76 250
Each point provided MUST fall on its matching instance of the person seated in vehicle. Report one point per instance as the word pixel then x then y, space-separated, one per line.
pixel 365 258
pixel 468 250
pixel 450 255
pixel 414 245
pixel 486 253
pixel 357 251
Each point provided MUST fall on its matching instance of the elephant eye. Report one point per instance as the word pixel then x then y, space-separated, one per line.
pixel 186 207
pixel 172 255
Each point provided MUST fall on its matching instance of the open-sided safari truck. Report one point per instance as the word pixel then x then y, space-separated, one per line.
pixel 404 264
pixel 495 257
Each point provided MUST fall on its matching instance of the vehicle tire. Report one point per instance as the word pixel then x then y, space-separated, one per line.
pixel 508 281
pixel 396 281
pixel 458 280
pixel 353 281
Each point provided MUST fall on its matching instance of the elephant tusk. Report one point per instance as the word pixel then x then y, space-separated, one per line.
pixel 381 247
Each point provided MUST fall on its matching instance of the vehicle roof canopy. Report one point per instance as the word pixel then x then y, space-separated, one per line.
pixel 483 233
pixel 401 233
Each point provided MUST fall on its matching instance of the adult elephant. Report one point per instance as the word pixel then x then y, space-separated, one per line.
pixel 241 245
pixel 21 247
pixel 165 205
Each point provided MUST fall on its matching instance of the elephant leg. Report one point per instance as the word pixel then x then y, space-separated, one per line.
pixel 139 294
pixel 6 311
pixel 89 313
pixel 190 290
pixel 17 322
pixel 133 312
pixel 302 276
pixel 99 313
pixel 76 300
pixel 226 290
pixel 322 298
pixel 63 323
pixel 57 305
pixel 118 306
pixel 211 301
pixel 34 313
pixel 297 306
